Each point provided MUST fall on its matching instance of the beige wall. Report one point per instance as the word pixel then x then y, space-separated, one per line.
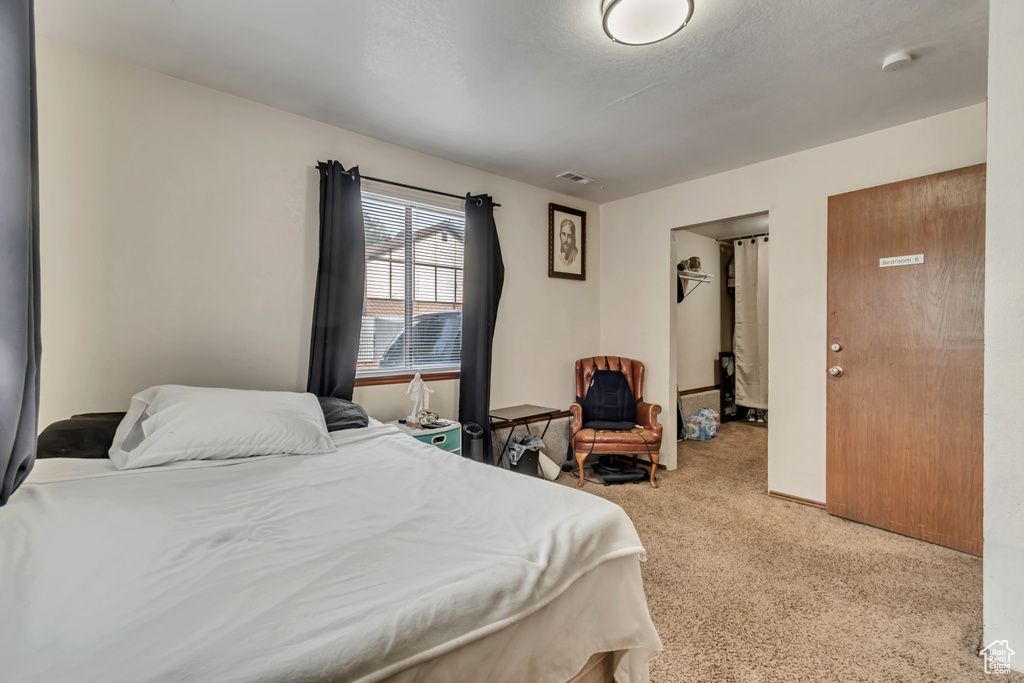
pixel 1004 329
pixel 179 244
pixel 699 315
pixel 636 319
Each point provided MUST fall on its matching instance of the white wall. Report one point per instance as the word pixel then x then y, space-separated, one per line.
pixel 635 320
pixel 179 244
pixel 698 317
pixel 1004 329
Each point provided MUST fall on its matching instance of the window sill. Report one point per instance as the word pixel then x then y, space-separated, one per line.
pixel 404 378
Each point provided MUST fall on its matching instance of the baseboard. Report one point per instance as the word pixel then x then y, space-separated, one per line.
pixel 797 499
pixel 700 390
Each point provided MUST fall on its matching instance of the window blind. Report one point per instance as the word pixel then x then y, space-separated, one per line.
pixel 412 314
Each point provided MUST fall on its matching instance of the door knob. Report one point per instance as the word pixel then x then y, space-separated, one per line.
pixel 835 371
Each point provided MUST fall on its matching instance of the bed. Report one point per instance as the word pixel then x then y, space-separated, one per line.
pixel 385 560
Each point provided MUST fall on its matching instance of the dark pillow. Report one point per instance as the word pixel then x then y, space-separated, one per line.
pixel 83 436
pixel 90 435
pixel 342 414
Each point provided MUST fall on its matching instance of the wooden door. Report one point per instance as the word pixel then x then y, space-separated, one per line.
pixel 904 419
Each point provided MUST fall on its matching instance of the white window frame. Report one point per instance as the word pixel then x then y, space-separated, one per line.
pixel 366 376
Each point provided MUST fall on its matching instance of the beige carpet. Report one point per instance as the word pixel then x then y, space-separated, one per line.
pixel 743 587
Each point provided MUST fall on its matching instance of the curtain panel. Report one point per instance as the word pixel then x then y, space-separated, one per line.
pixel 19 247
pixel 751 335
pixel 483 279
pixel 340 284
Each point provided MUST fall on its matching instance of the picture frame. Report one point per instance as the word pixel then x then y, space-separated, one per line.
pixel 567 242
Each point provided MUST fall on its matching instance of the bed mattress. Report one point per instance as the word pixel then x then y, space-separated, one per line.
pixel 387 559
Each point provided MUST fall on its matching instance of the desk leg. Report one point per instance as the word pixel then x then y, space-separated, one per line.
pixel 498 453
pixel 545 428
pixel 511 431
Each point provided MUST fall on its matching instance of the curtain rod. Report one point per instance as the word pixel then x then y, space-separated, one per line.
pixel 320 164
pixel 745 237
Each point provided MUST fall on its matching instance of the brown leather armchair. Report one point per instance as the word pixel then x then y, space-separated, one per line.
pixel 643 439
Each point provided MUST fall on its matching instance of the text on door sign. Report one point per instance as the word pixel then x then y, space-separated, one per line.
pixel 911 260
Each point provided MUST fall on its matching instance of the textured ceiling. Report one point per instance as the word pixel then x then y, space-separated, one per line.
pixel 532 88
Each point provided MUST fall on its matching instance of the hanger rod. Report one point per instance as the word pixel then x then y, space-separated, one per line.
pixel 321 164
pixel 745 237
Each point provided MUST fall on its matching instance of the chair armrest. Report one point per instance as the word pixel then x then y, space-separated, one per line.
pixel 577 419
pixel 647 415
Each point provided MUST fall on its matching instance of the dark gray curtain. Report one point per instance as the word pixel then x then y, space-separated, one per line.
pixel 19 247
pixel 340 283
pixel 483 278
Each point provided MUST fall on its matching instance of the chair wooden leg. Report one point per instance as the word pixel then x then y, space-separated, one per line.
pixel 654 467
pixel 634 461
pixel 581 458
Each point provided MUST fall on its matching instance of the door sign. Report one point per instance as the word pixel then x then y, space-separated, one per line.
pixel 911 260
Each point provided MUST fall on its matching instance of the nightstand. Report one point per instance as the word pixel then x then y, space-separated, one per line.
pixel 446 438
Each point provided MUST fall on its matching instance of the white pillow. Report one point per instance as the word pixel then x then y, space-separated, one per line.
pixel 170 423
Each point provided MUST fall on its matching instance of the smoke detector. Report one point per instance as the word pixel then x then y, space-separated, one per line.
pixel 575 177
pixel 897 60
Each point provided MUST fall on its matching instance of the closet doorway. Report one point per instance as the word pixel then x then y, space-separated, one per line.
pixel 721 319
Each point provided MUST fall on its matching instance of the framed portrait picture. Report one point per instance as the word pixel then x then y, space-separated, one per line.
pixel 567 242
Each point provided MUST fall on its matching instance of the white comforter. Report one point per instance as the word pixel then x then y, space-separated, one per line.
pixel 353 565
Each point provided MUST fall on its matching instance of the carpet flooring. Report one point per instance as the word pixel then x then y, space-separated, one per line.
pixel 743 587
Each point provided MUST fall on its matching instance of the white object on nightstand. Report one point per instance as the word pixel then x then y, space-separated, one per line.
pixel 420 395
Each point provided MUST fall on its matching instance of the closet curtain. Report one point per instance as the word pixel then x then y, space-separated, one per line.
pixel 483 278
pixel 19 247
pixel 340 284
pixel 750 343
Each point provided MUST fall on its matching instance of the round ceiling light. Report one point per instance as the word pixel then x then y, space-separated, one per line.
pixel 642 22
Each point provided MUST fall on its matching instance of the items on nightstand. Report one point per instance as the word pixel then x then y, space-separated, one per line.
pixel 420 395
pixel 427 419
pixel 444 434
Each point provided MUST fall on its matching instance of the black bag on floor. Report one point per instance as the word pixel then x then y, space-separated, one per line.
pixel 613 472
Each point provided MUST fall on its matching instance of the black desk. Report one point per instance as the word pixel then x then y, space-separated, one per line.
pixel 517 415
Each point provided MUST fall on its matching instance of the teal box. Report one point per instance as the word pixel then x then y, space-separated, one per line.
pixel 446 438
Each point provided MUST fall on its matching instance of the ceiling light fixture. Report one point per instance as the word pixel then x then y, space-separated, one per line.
pixel 642 22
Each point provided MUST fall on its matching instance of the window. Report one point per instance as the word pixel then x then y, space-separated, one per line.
pixel 412 313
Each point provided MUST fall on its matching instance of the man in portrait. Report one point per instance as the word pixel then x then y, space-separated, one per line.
pixel 567 236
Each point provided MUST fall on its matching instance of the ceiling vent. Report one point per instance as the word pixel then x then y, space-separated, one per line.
pixel 575 177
